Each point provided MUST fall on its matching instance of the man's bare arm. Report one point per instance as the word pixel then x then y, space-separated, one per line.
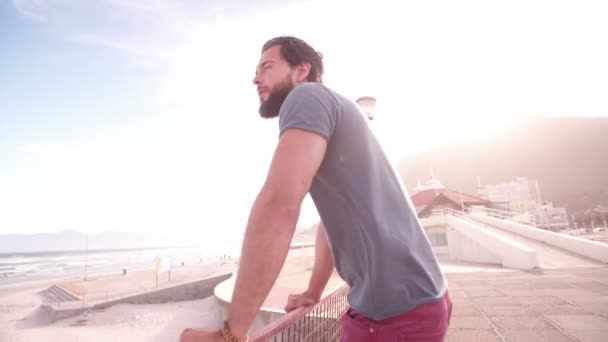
pixel 323 267
pixel 321 272
pixel 272 223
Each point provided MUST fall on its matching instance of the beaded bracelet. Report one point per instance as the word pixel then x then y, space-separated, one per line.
pixel 229 337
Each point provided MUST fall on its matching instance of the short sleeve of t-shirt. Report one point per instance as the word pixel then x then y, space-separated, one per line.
pixel 310 107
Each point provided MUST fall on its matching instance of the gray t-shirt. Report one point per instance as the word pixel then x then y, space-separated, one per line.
pixel 380 249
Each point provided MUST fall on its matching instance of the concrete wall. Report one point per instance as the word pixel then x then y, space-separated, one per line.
pixel 190 291
pixel 442 250
pixel 431 221
pixel 589 248
pixel 436 224
pixel 488 246
pixel 52 314
pixel 195 290
pixel 461 247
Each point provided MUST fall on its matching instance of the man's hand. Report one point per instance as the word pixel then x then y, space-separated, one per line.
pixel 201 335
pixel 295 301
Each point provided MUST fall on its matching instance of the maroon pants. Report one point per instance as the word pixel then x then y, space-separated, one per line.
pixel 425 323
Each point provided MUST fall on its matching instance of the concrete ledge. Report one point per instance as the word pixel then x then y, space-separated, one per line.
pixel 223 294
pixel 223 290
pixel 301 245
pixel 589 248
pixel 190 291
pixel 509 253
pixel 53 314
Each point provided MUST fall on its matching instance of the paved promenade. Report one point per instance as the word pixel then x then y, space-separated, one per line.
pixel 551 305
pixel 492 303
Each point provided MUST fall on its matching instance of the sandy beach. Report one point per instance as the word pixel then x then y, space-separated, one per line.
pixel 21 318
pixel 21 321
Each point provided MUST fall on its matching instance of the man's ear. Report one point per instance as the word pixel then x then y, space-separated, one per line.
pixel 303 72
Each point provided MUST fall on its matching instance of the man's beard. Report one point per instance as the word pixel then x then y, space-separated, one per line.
pixel 271 107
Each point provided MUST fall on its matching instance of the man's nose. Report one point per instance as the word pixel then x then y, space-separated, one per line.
pixel 256 80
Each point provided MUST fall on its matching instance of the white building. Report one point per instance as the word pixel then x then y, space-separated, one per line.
pixel 522 195
pixel 550 218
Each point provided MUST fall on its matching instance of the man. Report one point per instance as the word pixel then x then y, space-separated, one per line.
pixel 369 230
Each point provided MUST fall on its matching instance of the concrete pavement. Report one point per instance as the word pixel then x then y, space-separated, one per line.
pixel 549 305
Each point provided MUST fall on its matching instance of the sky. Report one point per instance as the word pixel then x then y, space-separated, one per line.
pixel 142 116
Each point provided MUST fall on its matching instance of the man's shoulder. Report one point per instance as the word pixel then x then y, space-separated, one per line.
pixel 311 89
pixel 310 106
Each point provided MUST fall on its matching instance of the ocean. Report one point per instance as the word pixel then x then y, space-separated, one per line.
pixel 17 268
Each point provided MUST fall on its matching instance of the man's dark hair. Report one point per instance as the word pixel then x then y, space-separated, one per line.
pixel 296 51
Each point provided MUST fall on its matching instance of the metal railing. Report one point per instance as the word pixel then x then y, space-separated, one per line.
pixel 447 211
pixel 497 213
pixel 320 322
pixel 507 215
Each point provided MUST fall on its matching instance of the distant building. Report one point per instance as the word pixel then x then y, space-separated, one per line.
pixel 434 196
pixel 550 218
pixel 522 195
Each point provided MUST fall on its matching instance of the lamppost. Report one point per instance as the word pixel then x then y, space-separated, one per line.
pixel 368 105
pixel 584 218
pixel 86 255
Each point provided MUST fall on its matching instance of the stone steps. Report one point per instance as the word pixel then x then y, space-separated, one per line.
pixel 57 293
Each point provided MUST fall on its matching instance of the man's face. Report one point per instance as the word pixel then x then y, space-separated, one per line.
pixel 274 79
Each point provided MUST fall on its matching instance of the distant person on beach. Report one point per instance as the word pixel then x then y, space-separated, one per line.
pixel 370 232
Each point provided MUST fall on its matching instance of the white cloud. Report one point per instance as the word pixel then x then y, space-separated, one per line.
pixel 54 152
pixel 33 9
pixel 113 44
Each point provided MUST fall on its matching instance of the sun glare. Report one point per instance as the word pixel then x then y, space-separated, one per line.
pixel 412 134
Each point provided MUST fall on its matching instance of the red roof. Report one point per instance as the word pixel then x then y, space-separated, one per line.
pixel 459 197
pixel 427 196
pixel 427 199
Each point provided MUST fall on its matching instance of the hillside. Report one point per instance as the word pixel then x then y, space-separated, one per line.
pixel 568 156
